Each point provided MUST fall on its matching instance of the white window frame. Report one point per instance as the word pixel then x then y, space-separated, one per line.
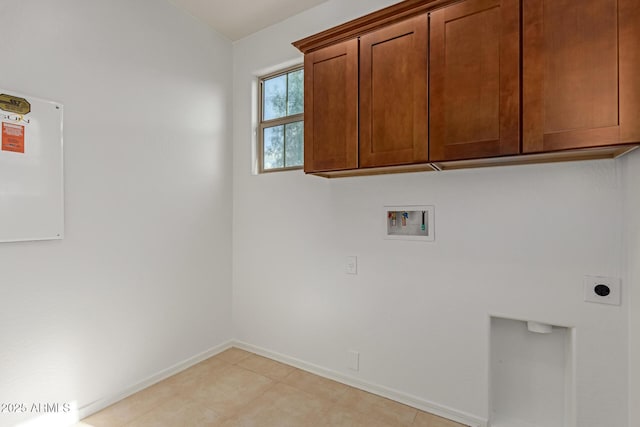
pixel 262 124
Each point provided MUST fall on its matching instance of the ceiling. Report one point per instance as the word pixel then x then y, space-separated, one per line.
pixel 236 19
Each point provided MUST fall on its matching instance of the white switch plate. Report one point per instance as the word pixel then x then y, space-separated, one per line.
pixel 612 283
pixel 351 265
pixel 354 360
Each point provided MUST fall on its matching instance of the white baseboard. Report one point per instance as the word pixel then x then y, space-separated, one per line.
pixel 398 396
pixel 98 405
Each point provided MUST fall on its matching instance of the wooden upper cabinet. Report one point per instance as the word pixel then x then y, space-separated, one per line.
pixel 475 80
pixel 581 84
pixel 394 94
pixel 331 108
pixel 465 83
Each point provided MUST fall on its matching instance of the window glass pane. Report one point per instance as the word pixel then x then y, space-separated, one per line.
pixel 295 102
pixel 282 97
pixel 275 98
pixel 294 140
pixel 273 139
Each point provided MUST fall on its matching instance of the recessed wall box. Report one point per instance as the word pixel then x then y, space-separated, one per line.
pixel 409 222
pixel 531 375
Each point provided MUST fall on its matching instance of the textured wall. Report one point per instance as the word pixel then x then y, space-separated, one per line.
pixel 142 280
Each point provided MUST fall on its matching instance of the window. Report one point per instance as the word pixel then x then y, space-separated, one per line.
pixel 281 130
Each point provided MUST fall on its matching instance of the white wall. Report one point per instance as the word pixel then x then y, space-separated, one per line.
pixel 512 241
pixel 632 236
pixel 142 280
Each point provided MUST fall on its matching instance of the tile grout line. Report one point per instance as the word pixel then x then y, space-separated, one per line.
pixel 238 411
pixel 321 391
pixel 329 403
pixel 337 403
pixel 461 418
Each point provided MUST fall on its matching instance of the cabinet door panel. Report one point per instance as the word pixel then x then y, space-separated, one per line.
pixel 629 62
pixel 393 94
pixel 474 80
pixel 331 108
pixel 579 89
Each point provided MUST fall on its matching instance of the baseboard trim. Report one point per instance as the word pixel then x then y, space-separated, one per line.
pixel 98 405
pixel 398 396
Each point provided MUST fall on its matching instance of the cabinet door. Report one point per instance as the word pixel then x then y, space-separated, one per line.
pixel 393 94
pixel 331 108
pixel 580 73
pixel 475 80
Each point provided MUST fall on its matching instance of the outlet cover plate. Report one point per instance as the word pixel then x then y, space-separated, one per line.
pixel 613 285
pixel 354 360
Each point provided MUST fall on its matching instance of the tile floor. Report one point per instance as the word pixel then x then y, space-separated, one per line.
pixel 238 388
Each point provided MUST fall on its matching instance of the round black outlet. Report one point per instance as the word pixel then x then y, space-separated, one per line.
pixel 602 290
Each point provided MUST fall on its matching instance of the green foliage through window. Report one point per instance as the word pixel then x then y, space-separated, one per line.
pixel 281 125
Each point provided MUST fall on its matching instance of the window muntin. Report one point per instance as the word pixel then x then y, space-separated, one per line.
pixel 281 130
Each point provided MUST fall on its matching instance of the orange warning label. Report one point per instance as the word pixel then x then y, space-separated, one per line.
pixel 12 138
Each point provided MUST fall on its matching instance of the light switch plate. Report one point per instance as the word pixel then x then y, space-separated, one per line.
pixel 351 265
pixel 603 290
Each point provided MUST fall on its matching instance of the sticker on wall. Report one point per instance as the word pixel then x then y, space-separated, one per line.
pixel 12 137
pixel 14 104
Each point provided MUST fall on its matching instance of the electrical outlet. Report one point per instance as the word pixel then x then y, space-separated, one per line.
pixel 351 265
pixel 603 290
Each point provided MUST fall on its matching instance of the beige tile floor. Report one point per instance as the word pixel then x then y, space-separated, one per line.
pixel 241 389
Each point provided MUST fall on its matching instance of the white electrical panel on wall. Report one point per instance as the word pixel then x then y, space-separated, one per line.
pixel 409 222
